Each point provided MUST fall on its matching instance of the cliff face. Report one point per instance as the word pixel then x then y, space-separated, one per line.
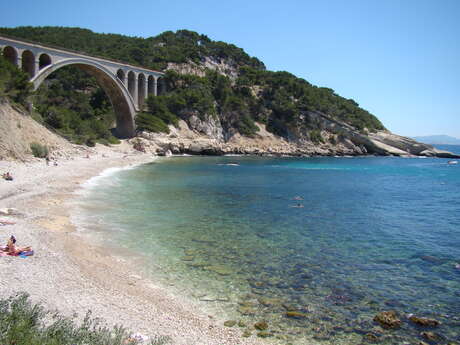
pixel 208 137
pixel 225 67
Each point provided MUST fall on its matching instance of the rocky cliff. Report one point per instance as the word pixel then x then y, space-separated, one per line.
pixel 208 137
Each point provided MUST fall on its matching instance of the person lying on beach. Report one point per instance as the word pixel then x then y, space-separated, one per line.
pixel 11 248
pixel 7 176
pixel 6 222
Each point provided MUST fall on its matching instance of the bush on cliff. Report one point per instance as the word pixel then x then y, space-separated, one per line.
pixel 39 150
pixel 151 123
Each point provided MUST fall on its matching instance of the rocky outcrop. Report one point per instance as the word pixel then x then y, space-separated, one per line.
pixel 424 322
pixel 379 143
pixel 225 67
pixel 198 136
pixel 388 319
pixel 210 127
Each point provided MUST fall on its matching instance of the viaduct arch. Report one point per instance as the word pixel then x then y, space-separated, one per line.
pixel 127 86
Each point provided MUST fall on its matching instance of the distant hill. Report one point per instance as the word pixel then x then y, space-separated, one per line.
pixel 438 139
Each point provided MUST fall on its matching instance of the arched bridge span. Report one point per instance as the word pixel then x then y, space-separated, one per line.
pixel 127 86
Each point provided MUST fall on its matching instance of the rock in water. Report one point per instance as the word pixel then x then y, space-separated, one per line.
pixel 388 319
pixel 261 325
pixel 430 336
pixel 246 334
pixel 295 315
pixel 230 323
pixel 422 321
pixel 264 334
pixel 221 270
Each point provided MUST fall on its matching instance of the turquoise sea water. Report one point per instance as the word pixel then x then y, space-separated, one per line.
pixel 365 235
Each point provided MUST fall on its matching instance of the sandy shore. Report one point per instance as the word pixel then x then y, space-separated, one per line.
pixel 71 275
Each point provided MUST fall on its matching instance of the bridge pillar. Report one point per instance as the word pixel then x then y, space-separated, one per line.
pixel 155 86
pixel 136 89
pixel 36 65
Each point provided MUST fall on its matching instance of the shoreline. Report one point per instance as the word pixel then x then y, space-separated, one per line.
pixel 71 275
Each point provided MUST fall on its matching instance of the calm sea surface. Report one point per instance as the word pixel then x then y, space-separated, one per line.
pixel 335 239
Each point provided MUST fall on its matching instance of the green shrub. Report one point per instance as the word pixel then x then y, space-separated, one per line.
pixel 150 123
pixel 22 322
pixel 90 142
pixel 114 141
pixel 246 126
pixel 14 83
pixel 316 137
pixel 39 150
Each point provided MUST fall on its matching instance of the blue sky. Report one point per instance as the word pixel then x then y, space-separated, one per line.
pixel 398 59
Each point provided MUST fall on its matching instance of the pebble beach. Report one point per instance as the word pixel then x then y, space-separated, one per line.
pixel 71 275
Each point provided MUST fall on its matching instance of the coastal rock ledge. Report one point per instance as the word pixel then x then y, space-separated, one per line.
pixel 200 140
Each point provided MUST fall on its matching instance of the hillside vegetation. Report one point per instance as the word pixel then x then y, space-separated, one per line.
pixel 72 103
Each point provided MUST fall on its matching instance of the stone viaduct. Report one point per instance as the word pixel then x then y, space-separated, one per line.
pixel 127 86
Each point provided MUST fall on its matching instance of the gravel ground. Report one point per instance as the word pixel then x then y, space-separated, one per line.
pixel 73 276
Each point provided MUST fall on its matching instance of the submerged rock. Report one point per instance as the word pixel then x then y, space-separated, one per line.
pixel 261 325
pixel 432 259
pixel 267 302
pixel 246 334
pixel 295 315
pixel 289 307
pixel 430 336
pixel 247 304
pixel 229 323
pixel 221 270
pixel 246 310
pixel 388 319
pixel 264 334
pixel 421 321
pixel 371 337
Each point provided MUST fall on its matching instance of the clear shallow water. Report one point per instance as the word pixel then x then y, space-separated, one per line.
pixel 373 234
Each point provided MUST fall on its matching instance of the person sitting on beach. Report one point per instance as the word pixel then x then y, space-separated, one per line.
pixel 11 248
